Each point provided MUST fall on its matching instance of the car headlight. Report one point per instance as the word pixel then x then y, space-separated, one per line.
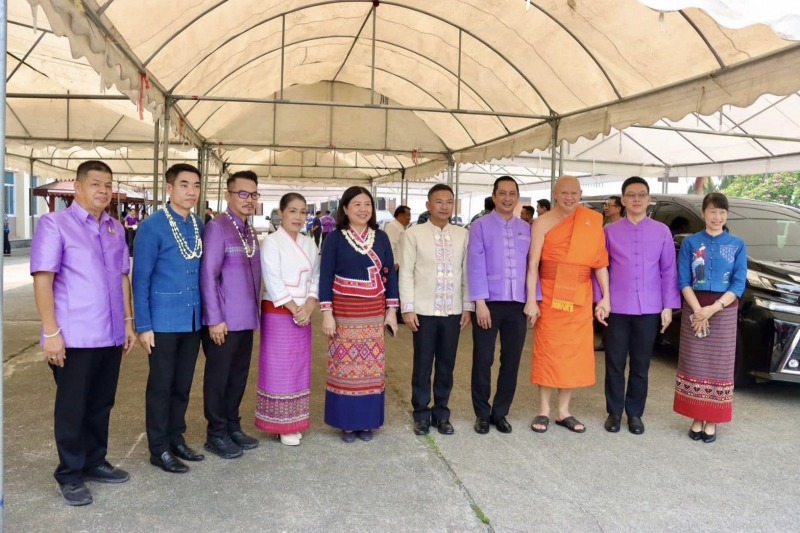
pixel 766 282
pixel 781 307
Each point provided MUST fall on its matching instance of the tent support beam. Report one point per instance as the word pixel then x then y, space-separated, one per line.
pixel 156 131
pixel 372 66
pixel 167 110
pixel 720 133
pixel 283 51
pixel 553 143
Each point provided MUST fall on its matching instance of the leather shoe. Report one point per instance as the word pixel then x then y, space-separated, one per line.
pixel 503 426
pixel 444 426
pixel 482 425
pixel 421 427
pixel 168 463
pixel 105 473
pixel 244 440
pixel 708 439
pixel 635 425
pixel 186 453
pixel 223 447
pixel 612 424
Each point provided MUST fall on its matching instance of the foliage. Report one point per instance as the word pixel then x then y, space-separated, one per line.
pixel 781 188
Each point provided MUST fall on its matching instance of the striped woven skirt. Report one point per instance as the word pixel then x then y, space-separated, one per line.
pixel 354 395
pixel 284 372
pixel 704 381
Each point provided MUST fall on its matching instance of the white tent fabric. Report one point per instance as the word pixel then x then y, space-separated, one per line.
pixel 485 78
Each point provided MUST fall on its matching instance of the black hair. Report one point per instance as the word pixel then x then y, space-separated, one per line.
pixel 488 203
pixel 289 197
pixel 84 168
pixel 504 178
pixel 544 202
pixel 635 179
pixel 442 187
pixel 243 174
pixel 173 171
pixel 318 213
pixel 715 199
pixel 401 209
pixel 342 222
pixel 528 209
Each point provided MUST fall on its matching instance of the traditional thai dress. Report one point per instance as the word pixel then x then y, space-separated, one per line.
pixel 711 266
pixel 290 270
pixel 357 283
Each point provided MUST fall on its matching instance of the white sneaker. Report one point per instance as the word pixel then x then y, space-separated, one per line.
pixel 299 435
pixel 290 439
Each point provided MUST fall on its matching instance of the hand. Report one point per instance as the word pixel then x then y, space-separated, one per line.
pixel 411 320
pixel 666 319
pixel 532 311
pixel 466 319
pixel 148 341
pixel 218 333
pixel 130 338
pixel 300 315
pixel 328 323
pixel 602 310
pixel 483 315
pixel 391 320
pixel 706 312
pixel 54 351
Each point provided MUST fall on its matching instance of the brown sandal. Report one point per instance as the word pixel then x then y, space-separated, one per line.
pixel 572 423
pixel 540 420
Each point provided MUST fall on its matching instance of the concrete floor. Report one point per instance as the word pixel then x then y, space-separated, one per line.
pixel 557 481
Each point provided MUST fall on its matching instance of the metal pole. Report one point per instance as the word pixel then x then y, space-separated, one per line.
pixel 155 167
pixel 201 203
pixel 3 66
pixel 457 206
pixel 553 142
pixel 561 149
pixel 165 142
pixel 219 187
pixel 283 52
pixel 372 68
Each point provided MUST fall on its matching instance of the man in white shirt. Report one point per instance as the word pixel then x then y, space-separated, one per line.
pixel 436 307
pixel 395 230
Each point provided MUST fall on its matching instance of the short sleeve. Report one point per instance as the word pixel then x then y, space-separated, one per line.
pixel 47 246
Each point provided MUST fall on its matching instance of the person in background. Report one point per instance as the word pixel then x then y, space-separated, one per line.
pixel 82 251
pixel 488 207
pixel 527 213
pixel 395 229
pixel 712 271
pixel 290 269
pixel 131 223
pixel 316 228
pixel 6 232
pixel 230 287
pixel 358 298
pixel 613 209
pixel 328 225
pixel 542 206
pixel 208 216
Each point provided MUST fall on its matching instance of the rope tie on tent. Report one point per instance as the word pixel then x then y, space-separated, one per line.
pixel 78 5
pixel 144 84
pixel 181 128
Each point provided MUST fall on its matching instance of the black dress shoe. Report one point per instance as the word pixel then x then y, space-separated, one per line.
pixel 245 441
pixel 105 473
pixel 695 435
pixel 223 447
pixel 444 426
pixel 612 424
pixel 708 439
pixel 635 425
pixel 186 453
pixel 503 425
pixel 482 425
pixel 169 463
pixel 421 427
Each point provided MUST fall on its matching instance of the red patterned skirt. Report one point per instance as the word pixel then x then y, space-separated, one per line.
pixel 704 381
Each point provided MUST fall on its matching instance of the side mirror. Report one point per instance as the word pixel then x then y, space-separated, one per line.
pixel 678 239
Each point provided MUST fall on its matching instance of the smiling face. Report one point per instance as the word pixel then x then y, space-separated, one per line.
pixel 440 205
pixel 293 217
pixel 636 199
pixel 184 192
pixel 715 219
pixel 568 194
pixel 240 207
pixel 93 192
pixel 359 211
pixel 505 198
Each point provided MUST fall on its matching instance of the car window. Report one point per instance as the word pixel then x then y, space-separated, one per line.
pixel 770 234
pixel 677 218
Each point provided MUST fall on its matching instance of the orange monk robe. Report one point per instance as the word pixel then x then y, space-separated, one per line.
pixel 563 342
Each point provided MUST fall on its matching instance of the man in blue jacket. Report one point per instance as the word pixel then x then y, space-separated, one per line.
pixel 166 279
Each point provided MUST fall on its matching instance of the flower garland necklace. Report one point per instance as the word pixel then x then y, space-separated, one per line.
pixel 183 246
pixel 249 251
pixel 362 247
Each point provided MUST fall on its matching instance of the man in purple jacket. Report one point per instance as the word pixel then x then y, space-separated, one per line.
pixel 80 265
pixel 644 289
pixel 497 258
pixel 230 286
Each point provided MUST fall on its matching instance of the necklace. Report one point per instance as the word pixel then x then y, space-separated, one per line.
pixel 249 251
pixel 183 246
pixel 362 247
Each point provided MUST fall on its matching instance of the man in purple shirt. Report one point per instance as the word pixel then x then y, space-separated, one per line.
pixel 644 289
pixel 497 257
pixel 80 265
pixel 230 286
pixel 328 225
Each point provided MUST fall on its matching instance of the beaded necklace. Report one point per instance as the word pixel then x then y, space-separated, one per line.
pixel 183 246
pixel 362 247
pixel 249 251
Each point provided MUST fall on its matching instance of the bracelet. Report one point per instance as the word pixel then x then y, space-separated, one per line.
pixel 128 318
pixel 721 303
pixel 51 336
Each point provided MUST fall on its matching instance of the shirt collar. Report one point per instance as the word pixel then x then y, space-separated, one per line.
pixel 238 221
pixel 177 215
pixel 83 214
pixel 499 218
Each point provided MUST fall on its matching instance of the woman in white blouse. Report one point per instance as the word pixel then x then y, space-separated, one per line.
pixel 290 268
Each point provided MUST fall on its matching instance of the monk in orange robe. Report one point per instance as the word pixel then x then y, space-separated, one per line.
pixel 567 246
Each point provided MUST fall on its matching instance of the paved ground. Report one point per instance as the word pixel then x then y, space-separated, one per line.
pixel 558 481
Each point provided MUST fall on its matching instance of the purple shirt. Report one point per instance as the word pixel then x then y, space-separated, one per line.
pixel 328 223
pixel 643 277
pixel 131 220
pixel 497 258
pixel 230 282
pixel 89 260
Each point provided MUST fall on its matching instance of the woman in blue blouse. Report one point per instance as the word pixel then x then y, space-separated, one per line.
pixel 358 296
pixel 712 269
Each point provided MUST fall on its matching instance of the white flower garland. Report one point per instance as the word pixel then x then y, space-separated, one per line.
pixel 249 251
pixel 183 246
pixel 362 247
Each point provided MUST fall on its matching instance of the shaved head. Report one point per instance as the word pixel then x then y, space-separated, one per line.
pixel 567 181
pixel 567 194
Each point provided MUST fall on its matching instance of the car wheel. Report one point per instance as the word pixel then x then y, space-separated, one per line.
pixel 741 373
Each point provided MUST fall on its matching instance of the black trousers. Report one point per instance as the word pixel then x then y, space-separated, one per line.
pixel 634 335
pixel 227 368
pixel 169 383
pixel 435 343
pixel 85 389
pixel 6 244
pixel 508 319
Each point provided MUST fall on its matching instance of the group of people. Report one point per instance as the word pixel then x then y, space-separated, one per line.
pixel 213 285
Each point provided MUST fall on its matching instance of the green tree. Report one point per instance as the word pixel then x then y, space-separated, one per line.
pixel 781 187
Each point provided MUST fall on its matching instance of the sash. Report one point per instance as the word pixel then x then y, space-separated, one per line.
pixel 572 274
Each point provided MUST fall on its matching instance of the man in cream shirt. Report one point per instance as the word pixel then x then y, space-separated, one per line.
pixel 395 230
pixel 436 307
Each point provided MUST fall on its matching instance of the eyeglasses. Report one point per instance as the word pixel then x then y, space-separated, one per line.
pixel 244 195
pixel 637 196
